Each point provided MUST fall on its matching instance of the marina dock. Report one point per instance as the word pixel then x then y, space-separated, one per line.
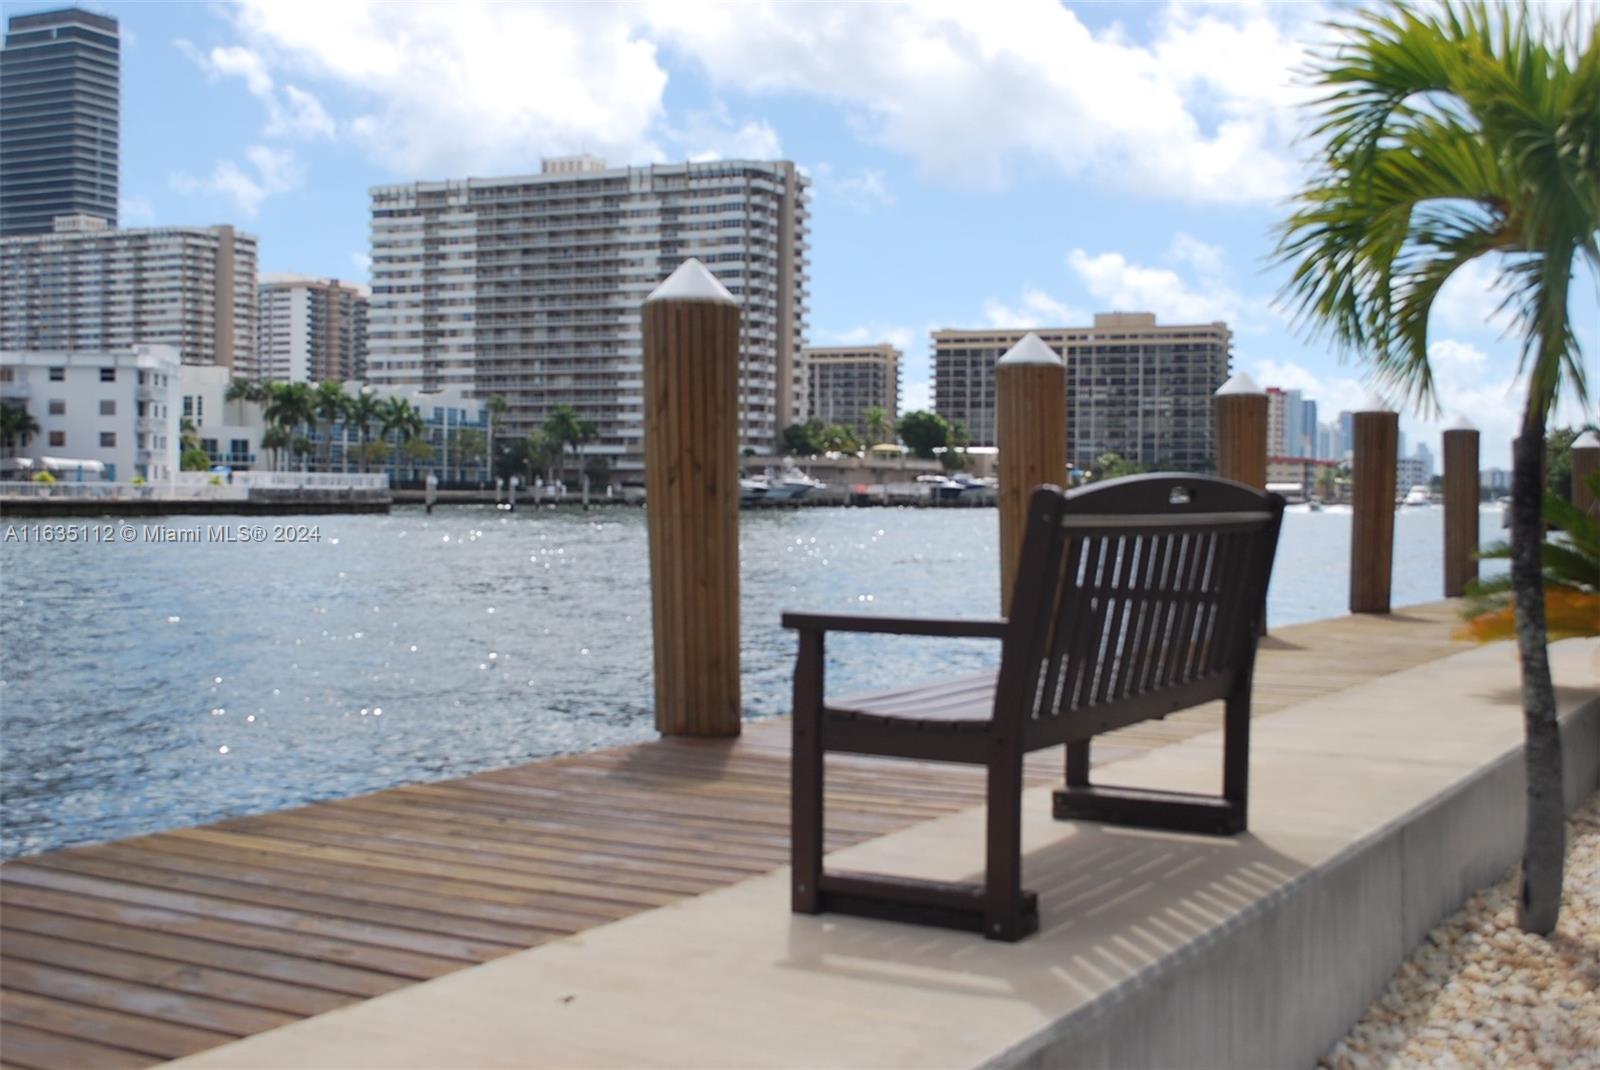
pixel 170 945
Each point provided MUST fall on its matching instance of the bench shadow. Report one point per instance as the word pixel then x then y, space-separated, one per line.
pixel 1113 903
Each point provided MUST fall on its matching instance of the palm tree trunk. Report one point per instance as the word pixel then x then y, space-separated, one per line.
pixel 1544 850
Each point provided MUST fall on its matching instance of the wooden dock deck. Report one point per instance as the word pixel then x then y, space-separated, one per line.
pixel 126 954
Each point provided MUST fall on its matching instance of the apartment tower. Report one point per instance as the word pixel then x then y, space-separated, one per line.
pixel 843 382
pixel 60 86
pixel 88 287
pixel 312 329
pixel 529 287
pixel 1134 387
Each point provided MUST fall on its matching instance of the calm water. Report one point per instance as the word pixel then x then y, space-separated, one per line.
pixel 148 685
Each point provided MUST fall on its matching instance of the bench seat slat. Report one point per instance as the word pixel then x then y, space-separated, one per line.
pixel 943 704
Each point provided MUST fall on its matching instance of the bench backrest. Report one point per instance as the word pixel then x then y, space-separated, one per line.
pixel 1133 598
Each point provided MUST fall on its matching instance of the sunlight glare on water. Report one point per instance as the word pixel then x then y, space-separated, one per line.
pixel 128 667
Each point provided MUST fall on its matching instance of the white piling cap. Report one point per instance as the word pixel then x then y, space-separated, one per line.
pixel 1374 402
pixel 1031 350
pixel 1239 383
pixel 1461 423
pixel 692 282
pixel 1586 441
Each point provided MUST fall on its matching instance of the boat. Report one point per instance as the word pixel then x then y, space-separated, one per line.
pixel 752 491
pixel 942 488
pixel 785 485
pixel 1417 495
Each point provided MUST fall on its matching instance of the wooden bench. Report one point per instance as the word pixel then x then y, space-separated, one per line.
pixel 1134 598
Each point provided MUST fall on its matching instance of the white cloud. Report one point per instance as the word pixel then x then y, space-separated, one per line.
pixel 274 171
pixel 1036 309
pixel 902 338
pixel 715 135
pixel 1118 283
pixel 1201 111
pixel 1470 300
pixel 476 87
pixel 300 116
pixel 1204 258
pixel 362 261
pixel 293 113
pixel 945 83
pixel 863 192
pixel 135 211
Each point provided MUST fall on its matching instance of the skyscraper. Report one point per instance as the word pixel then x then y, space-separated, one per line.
pixel 529 287
pixel 312 329
pixel 846 381
pixel 85 286
pixel 60 91
pixel 1134 387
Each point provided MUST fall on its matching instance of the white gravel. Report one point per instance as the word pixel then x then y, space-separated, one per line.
pixel 1480 992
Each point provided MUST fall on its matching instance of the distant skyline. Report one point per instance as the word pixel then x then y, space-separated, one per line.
pixel 1026 165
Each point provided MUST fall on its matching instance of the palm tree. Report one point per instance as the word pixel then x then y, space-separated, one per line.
pixel 497 409
pixel 1445 136
pixel 289 405
pixel 17 426
pixel 362 412
pixel 878 425
pixel 330 404
pixel 566 428
pixel 247 390
pixel 397 416
pixel 276 439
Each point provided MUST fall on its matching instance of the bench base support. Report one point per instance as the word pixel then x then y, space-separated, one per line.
pixel 944 904
pixel 1173 811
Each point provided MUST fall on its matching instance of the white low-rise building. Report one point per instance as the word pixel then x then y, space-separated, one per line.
pixel 229 431
pixel 102 415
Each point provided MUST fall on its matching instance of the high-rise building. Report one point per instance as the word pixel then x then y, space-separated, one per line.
pixel 1277 422
pixel 1308 429
pixel 1133 387
pixel 843 382
pixel 60 88
pixel 312 329
pixel 1347 433
pixel 529 287
pixel 87 287
pixel 1425 459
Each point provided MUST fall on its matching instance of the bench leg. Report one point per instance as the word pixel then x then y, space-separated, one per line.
pixel 1008 913
pixel 1173 811
pixel 1236 750
pixel 806 782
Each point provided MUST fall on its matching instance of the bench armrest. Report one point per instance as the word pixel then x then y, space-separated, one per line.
pixel 971 627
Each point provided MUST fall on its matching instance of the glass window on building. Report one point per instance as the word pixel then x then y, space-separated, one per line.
pixel 58 406
pixel 108 375
pixel 58 375
pixel 108 439
pixel 58 438
pixel 108 407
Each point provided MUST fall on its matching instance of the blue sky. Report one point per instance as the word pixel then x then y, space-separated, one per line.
pixel 1014 164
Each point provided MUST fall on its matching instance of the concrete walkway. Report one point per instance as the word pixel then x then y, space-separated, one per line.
pixel 1374 812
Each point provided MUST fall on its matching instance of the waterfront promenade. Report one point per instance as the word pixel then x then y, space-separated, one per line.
pixel 130 953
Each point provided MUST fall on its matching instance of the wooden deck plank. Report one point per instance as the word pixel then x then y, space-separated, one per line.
pixel 36 1049
pixel 123 954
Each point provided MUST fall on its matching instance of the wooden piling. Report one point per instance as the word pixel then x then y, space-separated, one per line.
pixel 1460 507
pixel 1372 472
pixel 1241 419
pixel 1031 433
pixel 691 435
pixel 1585 463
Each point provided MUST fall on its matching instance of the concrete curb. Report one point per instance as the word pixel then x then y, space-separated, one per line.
pixel 1279 984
